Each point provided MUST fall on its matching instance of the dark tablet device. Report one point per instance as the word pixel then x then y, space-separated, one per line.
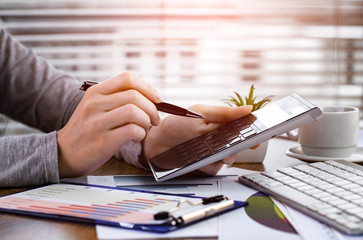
pixel 274 119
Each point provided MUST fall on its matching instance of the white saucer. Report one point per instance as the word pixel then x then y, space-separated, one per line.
pixel 296 152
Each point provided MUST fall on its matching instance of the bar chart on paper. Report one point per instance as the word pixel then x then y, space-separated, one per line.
pixel 185 186
pixel 92 203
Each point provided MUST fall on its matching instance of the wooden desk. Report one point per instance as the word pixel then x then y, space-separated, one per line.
pixel 23 227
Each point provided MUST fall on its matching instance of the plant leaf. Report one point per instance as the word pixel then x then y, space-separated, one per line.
pixel 241 103
pixel 263 102
pixel 250 100
pixel 227 102
pixel 233 101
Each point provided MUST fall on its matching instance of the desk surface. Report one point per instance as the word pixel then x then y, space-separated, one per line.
pixel 23 227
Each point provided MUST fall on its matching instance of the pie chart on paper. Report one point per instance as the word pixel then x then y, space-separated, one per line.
pixel 264 211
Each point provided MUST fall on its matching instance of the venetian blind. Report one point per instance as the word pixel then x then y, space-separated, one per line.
pixel 201 51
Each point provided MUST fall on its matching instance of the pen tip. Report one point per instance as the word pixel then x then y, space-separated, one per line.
pixel 194 115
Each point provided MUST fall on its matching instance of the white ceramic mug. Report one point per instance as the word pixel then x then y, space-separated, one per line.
pixel 334 135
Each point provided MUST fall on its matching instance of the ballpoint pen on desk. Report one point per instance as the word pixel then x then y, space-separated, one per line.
pixel 163 106
pixel 223 203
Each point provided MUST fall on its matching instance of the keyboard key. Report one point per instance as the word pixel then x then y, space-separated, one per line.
pixel 329 198
pixel 347 206
pixel 330 210
pixel 358 201
pixel 297 184
pixel 354 211
pixel 338 202
pixel 270 184
pixel 255 177
pixel 321 195
pixel 288 171
pixel 312 191
pixel 352 197
pixel 305 188
pixel 275 175
pixel 218 146
pixel 320 206
pixel 335 190
pixel 359 215
pixel 249 134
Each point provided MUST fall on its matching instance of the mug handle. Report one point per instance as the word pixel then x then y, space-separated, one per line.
pixel 293 135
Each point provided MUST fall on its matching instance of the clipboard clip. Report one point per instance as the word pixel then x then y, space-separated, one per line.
pixel 201 213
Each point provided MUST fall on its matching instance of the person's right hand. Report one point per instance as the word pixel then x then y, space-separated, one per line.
pixel 175 130
pixel 110 114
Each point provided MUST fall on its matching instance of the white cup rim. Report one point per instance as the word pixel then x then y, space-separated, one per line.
pixel 331 109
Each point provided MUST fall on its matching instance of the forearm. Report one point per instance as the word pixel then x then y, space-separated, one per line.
pixel 28 160
pixel 32 91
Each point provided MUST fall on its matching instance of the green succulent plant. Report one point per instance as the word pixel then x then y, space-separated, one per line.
pixel 250 100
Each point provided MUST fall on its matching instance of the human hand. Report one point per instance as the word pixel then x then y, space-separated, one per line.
pixel 175 130
pixel 110 114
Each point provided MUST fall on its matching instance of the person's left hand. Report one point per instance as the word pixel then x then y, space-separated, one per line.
pixel 175 130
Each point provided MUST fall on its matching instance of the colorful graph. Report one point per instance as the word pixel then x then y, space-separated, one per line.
pixel 263 210
pixel 92 203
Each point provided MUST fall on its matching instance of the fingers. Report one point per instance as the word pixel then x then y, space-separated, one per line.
pixel 126 81
pixel 212 169
pixel 130 132
pixel 229 160
pixel 131 97
pixel 126 114
pixel 255 147
pixel 220 114
pixel 122 90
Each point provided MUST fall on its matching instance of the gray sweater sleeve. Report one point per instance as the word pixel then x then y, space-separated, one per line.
pixel 35 93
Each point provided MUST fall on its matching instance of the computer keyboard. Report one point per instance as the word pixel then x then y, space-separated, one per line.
pixel 331 191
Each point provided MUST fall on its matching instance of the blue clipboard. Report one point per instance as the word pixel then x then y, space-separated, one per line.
pixel 118 207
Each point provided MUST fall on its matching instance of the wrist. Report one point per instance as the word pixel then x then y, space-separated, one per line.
pixel 132 153
pixel 143 160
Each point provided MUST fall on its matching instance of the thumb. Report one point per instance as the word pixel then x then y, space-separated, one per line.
pixel 218 114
